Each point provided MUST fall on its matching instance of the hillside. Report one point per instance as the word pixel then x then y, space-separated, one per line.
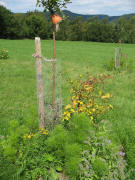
pixel 85 17
pixel 100 16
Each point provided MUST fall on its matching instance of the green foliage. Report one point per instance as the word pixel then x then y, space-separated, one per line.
pixel 89 97
pixel 21 102
pixel 4 54
pixel 52 6
pixel 67 143
pixel 9 26
pixel 32 24
pixel 124 64
pixel 26 156
pixel 101 159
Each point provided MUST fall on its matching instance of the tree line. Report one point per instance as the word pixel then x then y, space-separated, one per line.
pixel 32 24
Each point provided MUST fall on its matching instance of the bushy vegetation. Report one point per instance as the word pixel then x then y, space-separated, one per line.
pixel 4 54
pixel 119 64
pixel 19 115
pixel 79 147
pixel 102 159
pixel 32 24
pixel 89 98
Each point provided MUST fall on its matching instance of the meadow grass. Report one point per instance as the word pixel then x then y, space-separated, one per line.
pixel 18 94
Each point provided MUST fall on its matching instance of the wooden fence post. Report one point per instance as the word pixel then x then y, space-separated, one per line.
pixel 41 110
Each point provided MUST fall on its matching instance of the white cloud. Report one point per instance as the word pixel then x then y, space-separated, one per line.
pixel 2 3
pixel 110 7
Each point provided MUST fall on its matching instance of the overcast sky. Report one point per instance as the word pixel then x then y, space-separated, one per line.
pixel 109 7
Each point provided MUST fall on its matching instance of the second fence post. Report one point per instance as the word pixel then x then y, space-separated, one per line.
pixel 41 110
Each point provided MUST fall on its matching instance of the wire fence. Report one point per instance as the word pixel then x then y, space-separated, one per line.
pixel 51 114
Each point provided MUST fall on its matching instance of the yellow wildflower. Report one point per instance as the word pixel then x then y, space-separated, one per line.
pixel 81 109
pixel 66 118
pixel 89 112
pixel 42 129
pixel 111 106
pixel 45 132
pixel 29 136
pixel 68 106
pixel 73 97
pixel 74 103
pixel 91 117
pixel 65 113
pixel 106 96
pixel 81 103
pixel 68 114
pixel 72 110
pixel 88 88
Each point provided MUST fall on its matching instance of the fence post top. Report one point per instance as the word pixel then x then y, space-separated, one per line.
pixel 37 38
pixel 38 46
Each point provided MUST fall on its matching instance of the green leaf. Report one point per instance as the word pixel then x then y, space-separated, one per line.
pixel 59 168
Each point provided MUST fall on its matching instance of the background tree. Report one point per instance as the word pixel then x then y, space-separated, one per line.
pixel 52 6
pixel 36 25
pixel 31 24
pixel 9 27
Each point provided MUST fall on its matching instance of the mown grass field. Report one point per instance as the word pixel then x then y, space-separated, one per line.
pixel 18 94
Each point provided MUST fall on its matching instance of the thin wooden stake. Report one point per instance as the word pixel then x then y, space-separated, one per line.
pixel 54 72
pixel 54 77
pixel 39 83
pixel 115 59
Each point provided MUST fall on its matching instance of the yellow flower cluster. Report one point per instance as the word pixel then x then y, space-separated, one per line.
pixel 86 98
pixel 28 136
pixel 106 96
pixel 68 111
pixel 43 131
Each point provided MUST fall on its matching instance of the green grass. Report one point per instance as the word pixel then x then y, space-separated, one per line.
pixel 18 98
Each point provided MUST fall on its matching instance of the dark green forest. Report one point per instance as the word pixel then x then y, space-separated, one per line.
pixel 32 24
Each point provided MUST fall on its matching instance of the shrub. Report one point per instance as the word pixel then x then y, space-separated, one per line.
pixel 4 54
pixel 88 97
pixel 101 159
pixel 28 153
pixel 66 143
pixel 123 64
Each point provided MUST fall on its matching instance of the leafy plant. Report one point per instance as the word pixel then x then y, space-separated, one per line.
pixel 88 97
pixel 67 143
pixel 123 65
pixel 53 6
pixel 101 159
pixel 4 54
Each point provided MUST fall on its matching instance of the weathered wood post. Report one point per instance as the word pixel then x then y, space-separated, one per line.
pixel 41 110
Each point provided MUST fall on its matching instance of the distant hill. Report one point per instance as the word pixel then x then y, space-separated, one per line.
pixel 85 17
pixel 100 16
